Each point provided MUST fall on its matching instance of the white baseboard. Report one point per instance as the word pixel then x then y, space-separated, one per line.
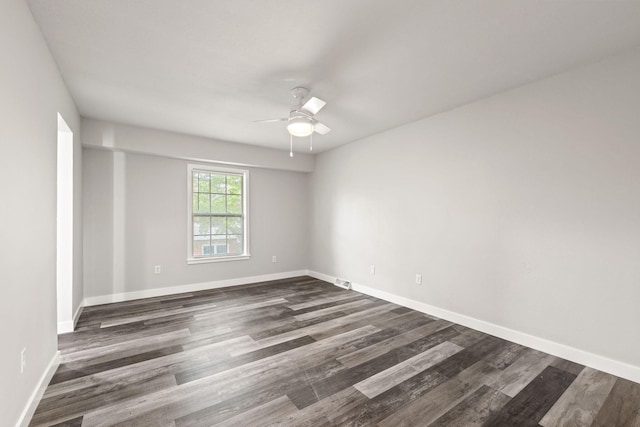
pixel 70 325
pixel 34 399
pixel 65 327
pixel 76 315
pixel 159 292
pixel 605 364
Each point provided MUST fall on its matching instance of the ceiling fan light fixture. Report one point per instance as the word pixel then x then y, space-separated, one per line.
pixel 300 126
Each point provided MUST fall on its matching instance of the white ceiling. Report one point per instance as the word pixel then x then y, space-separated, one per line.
pixel 211 68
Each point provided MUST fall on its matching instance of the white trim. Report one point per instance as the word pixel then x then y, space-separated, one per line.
pixel 204 260
pixel 77 314
pixel 193 287
pixel 34 399
pixel 65 327
pixel 70 325
pixel 602 363
pixel 64 225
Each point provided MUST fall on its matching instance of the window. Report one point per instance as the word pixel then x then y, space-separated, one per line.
pixel 217 214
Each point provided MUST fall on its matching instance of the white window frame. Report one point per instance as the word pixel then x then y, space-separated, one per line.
pixel 245 203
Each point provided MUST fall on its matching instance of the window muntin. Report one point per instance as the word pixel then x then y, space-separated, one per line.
pixel 217 213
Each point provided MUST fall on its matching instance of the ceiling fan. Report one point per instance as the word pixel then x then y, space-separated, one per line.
pixel 301 120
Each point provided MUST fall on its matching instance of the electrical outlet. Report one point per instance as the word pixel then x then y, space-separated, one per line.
pixel 418 279
pixel 23 360
pixel 372 270
pixel 274 259
pixel 156 269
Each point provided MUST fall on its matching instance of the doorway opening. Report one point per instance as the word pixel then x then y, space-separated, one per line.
pixel 64 249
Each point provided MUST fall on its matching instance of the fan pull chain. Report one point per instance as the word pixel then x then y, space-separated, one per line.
pixel 311 142
pixel 290 145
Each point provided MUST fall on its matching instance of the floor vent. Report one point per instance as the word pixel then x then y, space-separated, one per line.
pixel 343 284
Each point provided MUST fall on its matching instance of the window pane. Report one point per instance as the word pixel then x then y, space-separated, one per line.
pixel 235 244
pixel 198 243
pixel 203 185
pixel 201 226
pixel 234 204
pixel 203 203
pixel 219 202
pixel 234 184
pixel 194 184
pixel 195 202
pixel 234 225
pixel 218 225
pixel 218 183
pixel 220 242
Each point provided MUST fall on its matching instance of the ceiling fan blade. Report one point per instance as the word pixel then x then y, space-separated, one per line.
pixel 313 105
pixel 271 120
pixel 320 128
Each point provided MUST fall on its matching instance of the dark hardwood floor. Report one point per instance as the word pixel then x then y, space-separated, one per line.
pixel 302 352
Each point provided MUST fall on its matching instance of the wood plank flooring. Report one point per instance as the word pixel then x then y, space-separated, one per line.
pixel 302 352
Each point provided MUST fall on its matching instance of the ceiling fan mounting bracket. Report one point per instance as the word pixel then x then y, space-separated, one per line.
pixel 299 93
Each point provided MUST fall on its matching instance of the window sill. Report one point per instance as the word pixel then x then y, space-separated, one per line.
pixel 217 259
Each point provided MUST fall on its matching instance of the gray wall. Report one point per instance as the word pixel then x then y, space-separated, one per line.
pixel 522 209
pixel 135 217
pixel 97 221
pixel 32 94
